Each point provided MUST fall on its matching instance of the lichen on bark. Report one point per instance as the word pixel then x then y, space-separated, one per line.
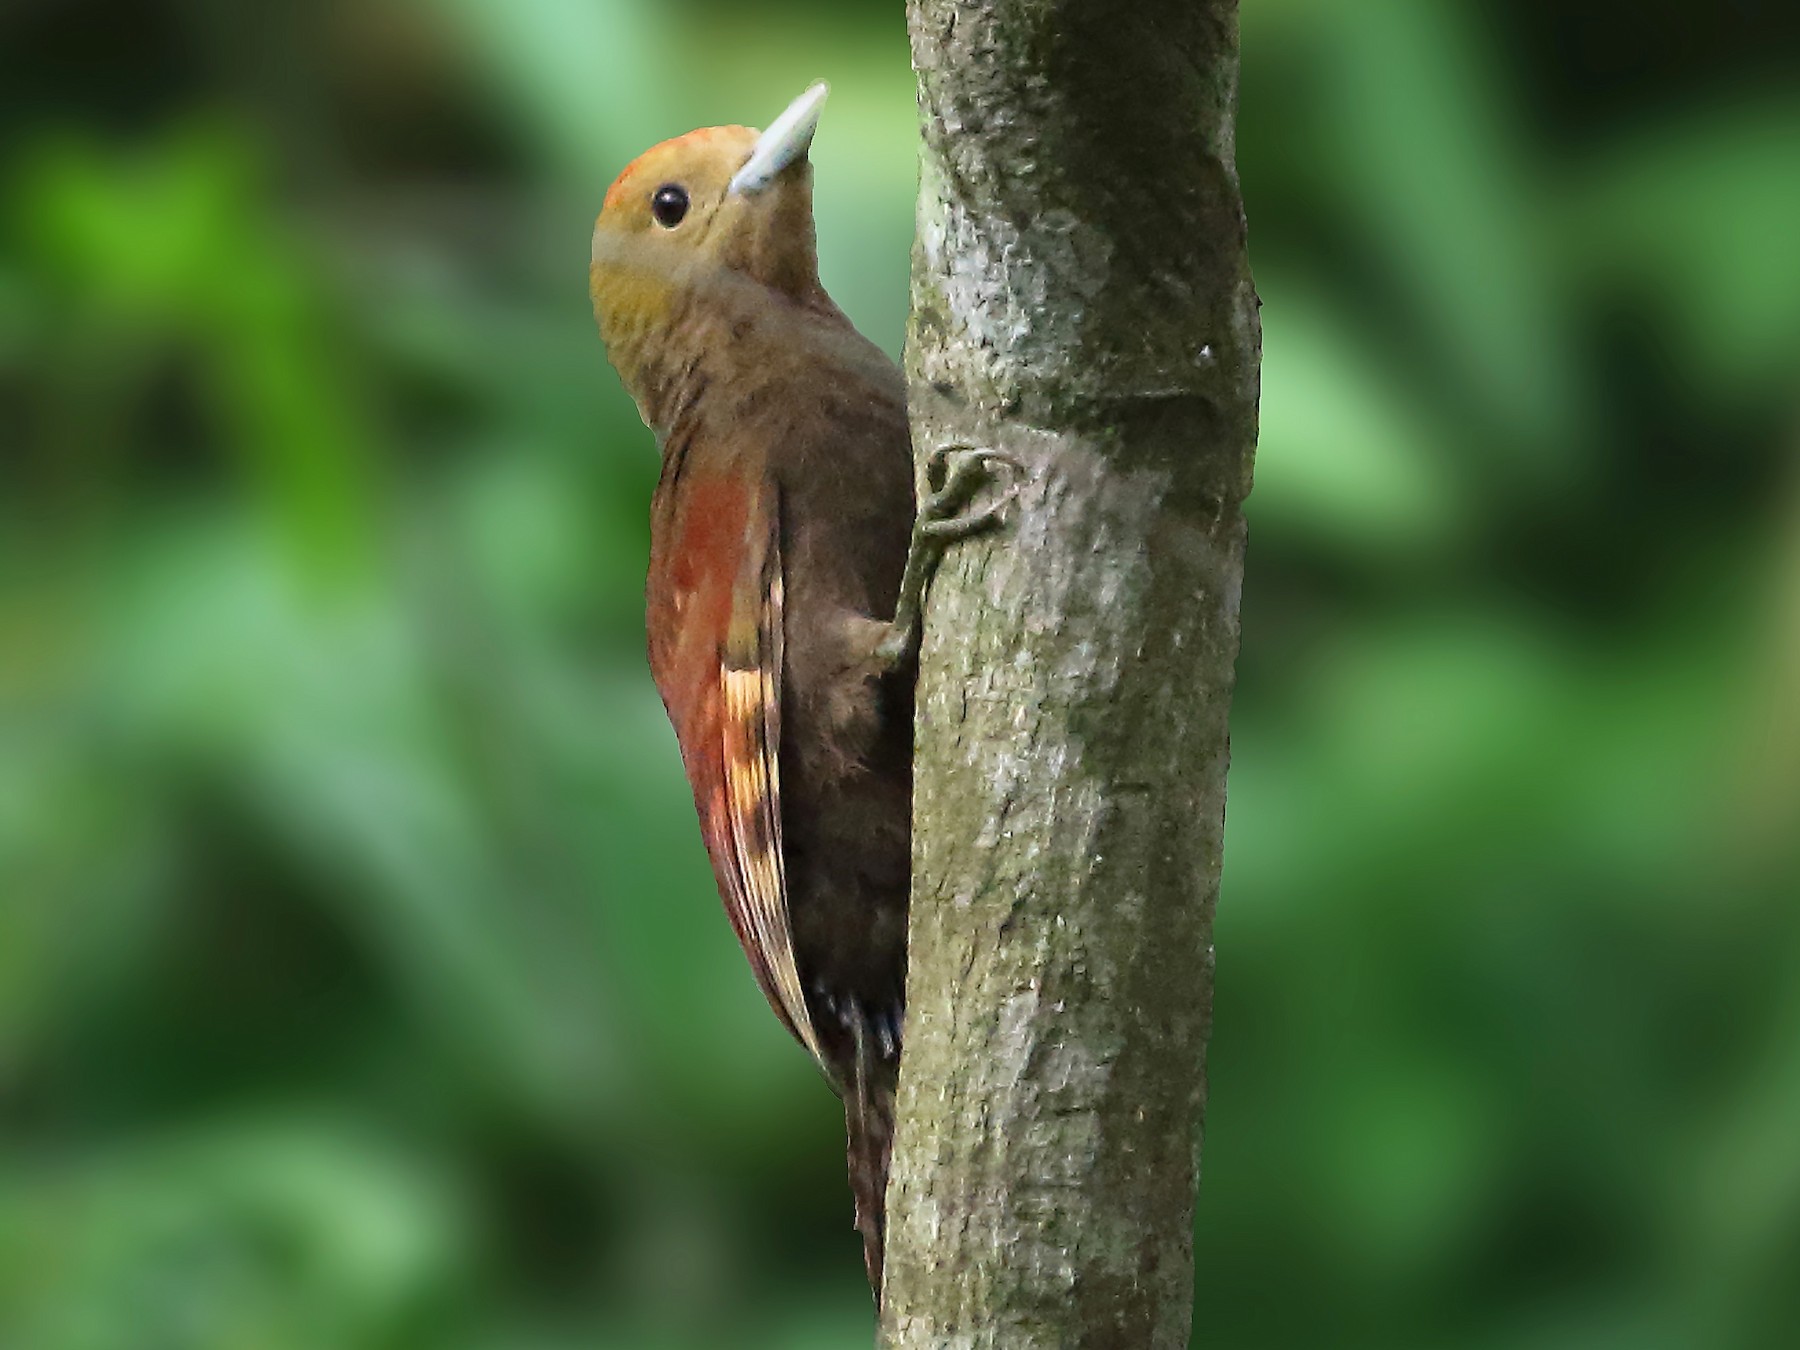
pixel 1082 299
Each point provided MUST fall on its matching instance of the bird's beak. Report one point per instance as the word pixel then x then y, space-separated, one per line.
pixel 785 141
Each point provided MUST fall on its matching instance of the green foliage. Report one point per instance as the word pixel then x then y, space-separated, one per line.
pixel 361 981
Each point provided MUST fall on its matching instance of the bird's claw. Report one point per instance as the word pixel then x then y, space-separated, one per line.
pixel 955 474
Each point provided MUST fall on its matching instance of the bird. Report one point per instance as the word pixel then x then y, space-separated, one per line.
pixel 789 559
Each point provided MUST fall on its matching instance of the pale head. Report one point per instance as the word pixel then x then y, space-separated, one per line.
pixel 714 208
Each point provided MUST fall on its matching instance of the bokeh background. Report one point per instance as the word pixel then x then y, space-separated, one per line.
pixel 362 986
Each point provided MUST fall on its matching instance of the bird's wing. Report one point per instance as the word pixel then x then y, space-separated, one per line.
pixel 721 682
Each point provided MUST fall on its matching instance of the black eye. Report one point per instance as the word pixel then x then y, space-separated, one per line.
pixel 669 205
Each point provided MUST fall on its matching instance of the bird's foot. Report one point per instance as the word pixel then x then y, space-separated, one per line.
pixel 955 474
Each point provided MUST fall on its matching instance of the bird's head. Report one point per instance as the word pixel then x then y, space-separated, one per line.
pixel 722 208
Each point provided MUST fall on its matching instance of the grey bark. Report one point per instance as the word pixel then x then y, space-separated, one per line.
pixel 1082 299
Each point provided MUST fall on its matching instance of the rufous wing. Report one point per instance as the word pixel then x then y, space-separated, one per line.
pixel 721 682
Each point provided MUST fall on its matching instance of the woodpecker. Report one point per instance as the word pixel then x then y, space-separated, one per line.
pixel 788 567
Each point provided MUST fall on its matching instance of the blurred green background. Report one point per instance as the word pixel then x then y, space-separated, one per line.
pixel 362 986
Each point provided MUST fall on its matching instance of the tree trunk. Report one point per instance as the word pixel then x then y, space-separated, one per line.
pixel 1082 299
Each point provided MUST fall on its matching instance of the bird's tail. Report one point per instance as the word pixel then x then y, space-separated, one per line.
pixel 869 1123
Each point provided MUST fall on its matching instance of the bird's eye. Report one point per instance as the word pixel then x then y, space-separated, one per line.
pixel 669 205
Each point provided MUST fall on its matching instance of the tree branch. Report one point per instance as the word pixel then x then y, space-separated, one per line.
pixel 1082 299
